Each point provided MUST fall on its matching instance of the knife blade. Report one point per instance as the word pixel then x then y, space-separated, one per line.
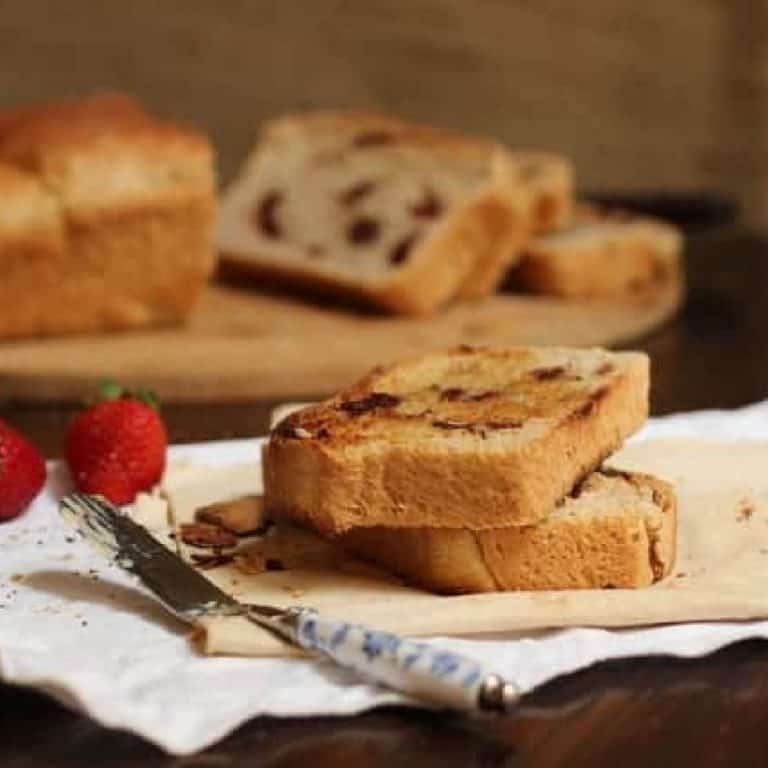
pixel 441 677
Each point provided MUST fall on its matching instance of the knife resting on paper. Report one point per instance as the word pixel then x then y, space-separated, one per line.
pixel 418 669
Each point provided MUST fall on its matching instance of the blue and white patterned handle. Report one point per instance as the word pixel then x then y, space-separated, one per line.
pixel 420 670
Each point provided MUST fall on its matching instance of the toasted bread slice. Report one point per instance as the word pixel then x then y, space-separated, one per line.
pixel 371 207
pixel 470 438
pixel 618 529
pixel 602 254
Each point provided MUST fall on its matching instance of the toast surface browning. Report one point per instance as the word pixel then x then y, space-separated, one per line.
pixel 462 439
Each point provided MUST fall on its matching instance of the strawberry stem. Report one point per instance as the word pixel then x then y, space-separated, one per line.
pixel 111 390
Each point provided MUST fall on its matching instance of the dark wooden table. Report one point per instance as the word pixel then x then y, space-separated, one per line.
pixel 641 712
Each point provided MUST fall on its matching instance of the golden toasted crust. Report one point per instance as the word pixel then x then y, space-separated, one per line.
pixel 51 117
pixel 618 530
pixel 107 151
pixel 471 246
pixel 602 254
pixel 108 224
pixel 465 439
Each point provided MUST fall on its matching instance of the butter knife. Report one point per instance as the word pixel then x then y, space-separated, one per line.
pixel 420 670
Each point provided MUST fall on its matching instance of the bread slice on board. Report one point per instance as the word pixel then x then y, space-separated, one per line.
pixel 370 207
pixel 470 438
pixel 108 217
pixel 549 178
pixel 602 254
pixel 617 529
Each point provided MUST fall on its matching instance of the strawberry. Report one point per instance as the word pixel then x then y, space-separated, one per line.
pixel 116 448
pixel 22 472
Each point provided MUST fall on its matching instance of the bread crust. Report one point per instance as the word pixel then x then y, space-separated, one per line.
pixel 634 255
pixel 549 178
pixel 501 246
pixel 129 203
pixel 449 464
pixel 546 184
pixel 630 543
pixel 471 246
pixel 29 212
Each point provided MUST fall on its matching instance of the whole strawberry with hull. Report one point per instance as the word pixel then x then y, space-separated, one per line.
pixel 116 448
pixel 22 472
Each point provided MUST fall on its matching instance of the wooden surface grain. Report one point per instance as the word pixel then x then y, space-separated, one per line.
pixel 641 712
pixel 241 344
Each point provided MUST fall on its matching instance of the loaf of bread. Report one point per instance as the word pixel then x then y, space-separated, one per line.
pixel 616 529
pixel 107 218
pixel 471 438
pixel 602 254
pixel 400 216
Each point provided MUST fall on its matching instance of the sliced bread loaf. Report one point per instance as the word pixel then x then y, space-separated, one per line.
pixel 602 254
pixel 470 438
pixel 361 205
pixel 617 529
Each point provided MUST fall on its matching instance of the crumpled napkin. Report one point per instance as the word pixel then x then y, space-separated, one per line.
pixel 79 629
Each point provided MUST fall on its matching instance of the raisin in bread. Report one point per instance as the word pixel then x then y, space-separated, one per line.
pixel 602 254
pixel 366 206
pixel 462 439
pixel 616 529
pixel 107 217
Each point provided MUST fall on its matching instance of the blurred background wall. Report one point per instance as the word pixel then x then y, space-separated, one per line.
pixel 661 94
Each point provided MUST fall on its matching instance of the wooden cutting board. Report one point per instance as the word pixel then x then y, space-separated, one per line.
pixel 243 345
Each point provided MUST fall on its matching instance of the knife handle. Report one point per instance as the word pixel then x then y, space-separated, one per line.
pixel 420 670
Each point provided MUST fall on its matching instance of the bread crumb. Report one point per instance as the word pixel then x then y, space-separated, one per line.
pixel 744 510
pixel 681 575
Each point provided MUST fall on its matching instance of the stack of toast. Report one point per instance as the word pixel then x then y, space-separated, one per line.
pixel 478 470
pixel 408 218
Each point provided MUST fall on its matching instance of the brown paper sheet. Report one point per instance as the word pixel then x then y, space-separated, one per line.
pixel 720 572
